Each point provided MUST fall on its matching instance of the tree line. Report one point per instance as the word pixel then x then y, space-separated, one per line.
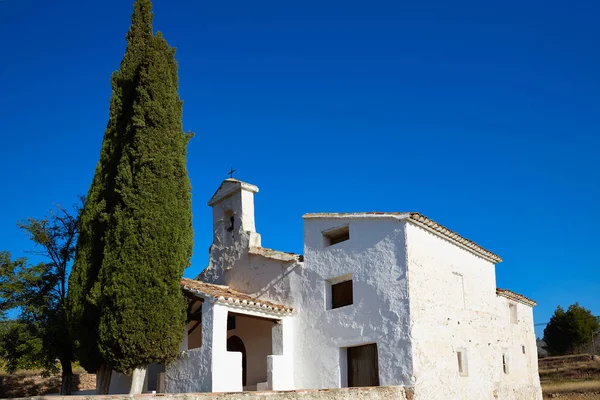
pixel 107 293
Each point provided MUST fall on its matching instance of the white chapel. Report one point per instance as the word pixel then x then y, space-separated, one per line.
pixel 377 299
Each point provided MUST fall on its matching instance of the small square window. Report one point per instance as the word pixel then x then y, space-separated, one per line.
pixel 461 356
pixel 341 294
pixel 505 363
pixel 512 308
pixel 336 235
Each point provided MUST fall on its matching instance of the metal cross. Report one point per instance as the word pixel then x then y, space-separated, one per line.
pixel 230 173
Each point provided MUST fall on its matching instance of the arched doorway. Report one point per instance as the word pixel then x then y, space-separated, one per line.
pixel 234 343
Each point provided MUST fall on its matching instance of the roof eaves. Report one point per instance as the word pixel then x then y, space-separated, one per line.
pixel 516 297
pixel 234 186
pixel 226 295
pixel 441 230
pixel 363 215
pixel 274 254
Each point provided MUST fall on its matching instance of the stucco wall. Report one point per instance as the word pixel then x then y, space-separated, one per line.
pixel 192 370
pixel 453 305
pixel 375 258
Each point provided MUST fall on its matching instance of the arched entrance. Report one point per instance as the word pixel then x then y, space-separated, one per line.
pixel 234 343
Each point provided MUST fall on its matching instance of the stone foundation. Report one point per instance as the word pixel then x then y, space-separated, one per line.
pixel 371 393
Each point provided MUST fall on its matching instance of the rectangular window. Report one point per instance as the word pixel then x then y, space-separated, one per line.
pixel 523 348
pixel 336 235
pixel 461 355
pixel 341 294
pixel 512 308
pixel 505 363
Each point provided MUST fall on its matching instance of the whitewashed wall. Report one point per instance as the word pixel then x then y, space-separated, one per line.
pixel 192 370
pixel 375 258
pixel 453 304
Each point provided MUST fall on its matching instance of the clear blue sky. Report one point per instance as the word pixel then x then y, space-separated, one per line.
pixel 486 119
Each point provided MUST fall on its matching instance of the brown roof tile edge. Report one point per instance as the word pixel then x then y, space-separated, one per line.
pixel 516 297
pixel 226 295
pixel 431 224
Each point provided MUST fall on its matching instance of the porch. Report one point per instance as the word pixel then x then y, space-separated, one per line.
pixel 232 343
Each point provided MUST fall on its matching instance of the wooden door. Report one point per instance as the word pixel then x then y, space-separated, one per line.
pixel 363 366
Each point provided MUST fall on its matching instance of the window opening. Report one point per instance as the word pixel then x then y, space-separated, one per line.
pixel 513 313
pixel 341 294
pixel 336 235
pixel 461 356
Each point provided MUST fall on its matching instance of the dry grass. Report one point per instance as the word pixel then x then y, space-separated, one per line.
pixel 570 368
pixel 566 387
pixel 570 377
pixel 77 369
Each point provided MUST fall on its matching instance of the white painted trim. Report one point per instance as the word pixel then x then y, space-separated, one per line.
pixel 259 312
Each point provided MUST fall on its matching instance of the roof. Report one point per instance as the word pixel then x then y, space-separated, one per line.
pixel 275 254
pixel 516 297
pixel 226 295
pixel 228 187
pixel 421 220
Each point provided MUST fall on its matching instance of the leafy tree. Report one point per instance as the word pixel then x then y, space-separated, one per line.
pixel 136 233
pixel 568 331
pixel 38 336
pixel 21 347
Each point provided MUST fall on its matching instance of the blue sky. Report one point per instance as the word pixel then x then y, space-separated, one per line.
pixel 484 118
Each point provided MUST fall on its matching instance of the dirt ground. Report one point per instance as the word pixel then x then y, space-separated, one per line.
pixel 570 377
pixel 32 383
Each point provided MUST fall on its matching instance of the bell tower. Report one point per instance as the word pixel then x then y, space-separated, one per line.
pixel 233 213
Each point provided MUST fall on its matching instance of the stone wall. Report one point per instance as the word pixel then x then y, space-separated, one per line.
pixel 371 393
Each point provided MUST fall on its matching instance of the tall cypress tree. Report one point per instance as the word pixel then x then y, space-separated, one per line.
pixel 136 234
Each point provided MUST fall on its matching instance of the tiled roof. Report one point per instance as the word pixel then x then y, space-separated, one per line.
pixel 226 295
pixel 422 221
pixel 516 297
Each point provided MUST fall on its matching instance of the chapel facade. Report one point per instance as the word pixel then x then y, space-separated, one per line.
pixel 377 299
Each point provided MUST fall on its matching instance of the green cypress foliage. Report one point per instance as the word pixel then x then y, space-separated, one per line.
pixel 136 233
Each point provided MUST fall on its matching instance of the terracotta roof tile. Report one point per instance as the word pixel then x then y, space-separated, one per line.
pixel 516 297
pixel 225 294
